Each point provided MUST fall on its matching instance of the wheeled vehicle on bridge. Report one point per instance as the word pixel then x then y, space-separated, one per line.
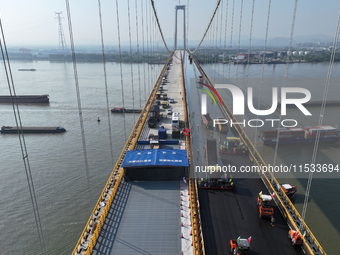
pixel 216 183
pixel 240 246
pixel 233 145
pixel 294 237
pixel 289 189
pixel 264 203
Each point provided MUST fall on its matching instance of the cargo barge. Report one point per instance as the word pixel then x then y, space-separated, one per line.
pixel 124 110
pixel 314 104
pixel 33 99
pixel 15 130
pixel 296 135
pixel 27 69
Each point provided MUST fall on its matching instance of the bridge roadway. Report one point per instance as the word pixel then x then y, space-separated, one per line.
pixel 228 214
pixel 144 217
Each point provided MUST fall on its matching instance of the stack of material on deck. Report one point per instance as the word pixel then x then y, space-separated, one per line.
pixel 155 165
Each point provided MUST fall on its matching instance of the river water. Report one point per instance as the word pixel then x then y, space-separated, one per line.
pixel 57 160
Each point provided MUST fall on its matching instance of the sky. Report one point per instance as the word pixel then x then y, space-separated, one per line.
pixel 34 22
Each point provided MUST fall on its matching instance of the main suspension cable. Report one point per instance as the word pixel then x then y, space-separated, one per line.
pixel 206 31
pixel 159 26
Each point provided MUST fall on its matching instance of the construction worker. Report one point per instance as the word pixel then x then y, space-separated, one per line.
pixel 272 220
pixel 231 182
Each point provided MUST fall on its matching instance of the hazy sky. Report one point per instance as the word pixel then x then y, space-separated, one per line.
pixel 33 22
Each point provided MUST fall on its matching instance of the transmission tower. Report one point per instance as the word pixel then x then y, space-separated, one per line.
pixel 62 42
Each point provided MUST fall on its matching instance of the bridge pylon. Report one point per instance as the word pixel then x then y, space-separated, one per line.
pixel 180 7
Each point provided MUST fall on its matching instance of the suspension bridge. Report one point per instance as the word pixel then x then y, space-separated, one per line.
pixel 152 202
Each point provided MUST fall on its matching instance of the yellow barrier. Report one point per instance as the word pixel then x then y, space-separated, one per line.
pixel 252 149
pixel 139 124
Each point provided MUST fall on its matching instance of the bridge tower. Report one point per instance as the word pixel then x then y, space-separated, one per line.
pixel 180 7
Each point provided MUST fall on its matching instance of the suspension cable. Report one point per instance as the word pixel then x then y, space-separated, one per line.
pixel 225 35
pixel 159 26
pixel 231 36
pixel 215 40
pixel 144 78
pixel 263 62
pixel 239 39
pixel 11 88
pixel 206 31
pixel 80 113
pixel 105 80
pixel 120 65
pixel 220 34
pixel 131 68
pixel 138 56
pixel 322 112
pixel 148 46
pixel 286 73
pixel 187 25
pixel 250 39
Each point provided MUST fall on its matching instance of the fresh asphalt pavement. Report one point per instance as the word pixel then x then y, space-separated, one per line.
pixel 228 214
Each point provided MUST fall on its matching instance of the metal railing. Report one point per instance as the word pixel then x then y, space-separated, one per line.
pixel 93 226
pixel 197 233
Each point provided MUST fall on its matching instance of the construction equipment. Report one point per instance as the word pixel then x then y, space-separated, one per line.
pixel 264 204
pixel 233 145
pixel 216 183
pixel 240 246
pixel 289 189
pixel 294 237
pixel 153 116
pixel 165 105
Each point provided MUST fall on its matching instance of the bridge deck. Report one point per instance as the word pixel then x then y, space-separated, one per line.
pixel 227 215
pixel 144 219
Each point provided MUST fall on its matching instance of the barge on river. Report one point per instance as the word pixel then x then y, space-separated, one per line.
pixel 15 130
pixel 124 110
pixel 296 135
pixel 27 99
